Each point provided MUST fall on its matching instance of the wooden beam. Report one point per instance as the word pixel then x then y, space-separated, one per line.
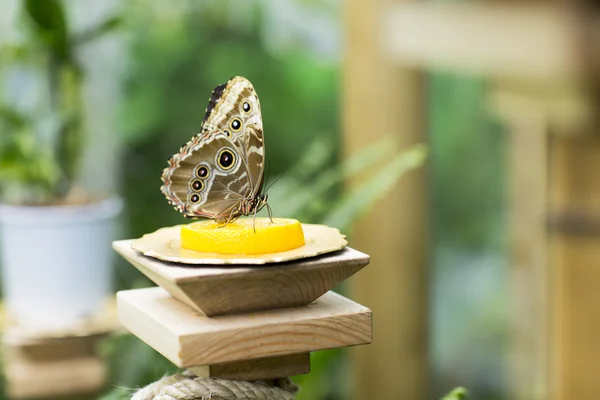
pixel 381 99
pixel 535 41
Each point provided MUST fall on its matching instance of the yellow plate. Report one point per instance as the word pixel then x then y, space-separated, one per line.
pixel 165 245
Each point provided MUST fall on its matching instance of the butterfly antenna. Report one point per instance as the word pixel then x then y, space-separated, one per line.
pixel 268 170
pixel 274 182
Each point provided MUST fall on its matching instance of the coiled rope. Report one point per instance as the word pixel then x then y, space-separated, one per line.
pixel 187 386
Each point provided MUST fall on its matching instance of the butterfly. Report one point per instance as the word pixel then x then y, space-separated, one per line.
pixel 218 174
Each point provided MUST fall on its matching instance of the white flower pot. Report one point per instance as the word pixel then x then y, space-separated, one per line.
pixel 56 262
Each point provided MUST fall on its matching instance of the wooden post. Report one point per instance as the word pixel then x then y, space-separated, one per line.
pixel 189 320
pixel 575 217
pixel 530 275
pixel 529 357
pixel 383 99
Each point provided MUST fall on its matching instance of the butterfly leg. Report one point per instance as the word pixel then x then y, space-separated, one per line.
pixel 270 212
pixel 254 219
pixel 231 218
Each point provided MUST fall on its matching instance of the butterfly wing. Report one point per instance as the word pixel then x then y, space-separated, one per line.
pixel 199 180
pixel 207 178
pixel 234 109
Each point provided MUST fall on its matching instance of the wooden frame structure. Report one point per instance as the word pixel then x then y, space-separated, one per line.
pixel 542 65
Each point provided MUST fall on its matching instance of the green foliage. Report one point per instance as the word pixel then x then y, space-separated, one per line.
pixel 21 160
pixel 118 393
pixel 41 147
pixel 49 27
pixel 99 30
pixel 381 180
pixel 132 363
pixel 458 393
pixel 467 178
pixel 467 173
pixel 324 202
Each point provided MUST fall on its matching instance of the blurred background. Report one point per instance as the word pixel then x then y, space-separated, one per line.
pixel 469 233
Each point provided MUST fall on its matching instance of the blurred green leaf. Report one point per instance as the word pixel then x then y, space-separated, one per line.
pixel 11 53
pixel 27 172
pixel 99 30
pixel 458 393
pixel 318 155
pixel 365 160
pixel 34 171
pixel 118 393
pixel 322 364
pixel 50 25
pixel 13 118
pixel 463 136
pixel 132 363
pixel 358 201
pixel 313 167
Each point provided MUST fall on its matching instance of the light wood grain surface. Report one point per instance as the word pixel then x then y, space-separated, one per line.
pixel 231 290
pixel 188 338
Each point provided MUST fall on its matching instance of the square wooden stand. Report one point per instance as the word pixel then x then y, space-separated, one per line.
pixel 56 364
pixel 52 367
pixel 245 323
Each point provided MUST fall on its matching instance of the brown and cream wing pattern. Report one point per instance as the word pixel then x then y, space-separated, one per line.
pixel 214 171
pixel 234 109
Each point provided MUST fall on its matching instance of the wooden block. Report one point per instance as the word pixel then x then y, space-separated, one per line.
pixel 233 290
pixel 56 368
pixel 189 339
pixel 567 107
pixel 262 368
pixel 534 41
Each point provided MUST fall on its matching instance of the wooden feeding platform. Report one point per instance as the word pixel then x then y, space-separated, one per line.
pixel 245 322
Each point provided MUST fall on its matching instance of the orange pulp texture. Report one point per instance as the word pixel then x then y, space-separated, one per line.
pixel 241 237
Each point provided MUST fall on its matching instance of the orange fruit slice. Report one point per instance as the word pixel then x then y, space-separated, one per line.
pixel 243 236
